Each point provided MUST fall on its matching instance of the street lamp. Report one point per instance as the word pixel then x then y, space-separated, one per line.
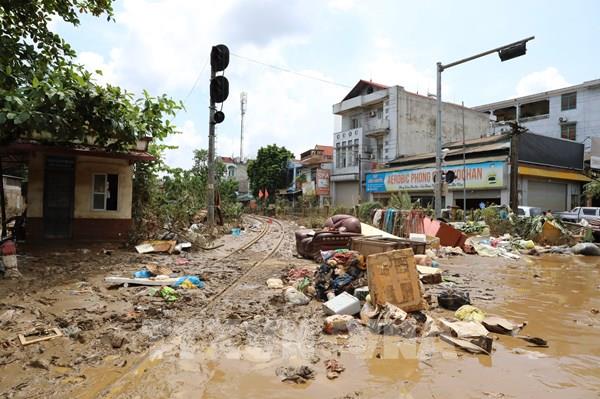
pixel 506 53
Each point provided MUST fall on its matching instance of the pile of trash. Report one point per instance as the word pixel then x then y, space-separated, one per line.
pixel 160 276
pixel 341 270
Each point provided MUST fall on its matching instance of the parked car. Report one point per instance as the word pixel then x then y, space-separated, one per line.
pixel 578 213
pixel 529 211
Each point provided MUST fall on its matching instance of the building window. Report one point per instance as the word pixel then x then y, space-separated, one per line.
pixel 568 101
pixel 355 153
pixel 231 171
pixel 105 192
pixel 355 124
pixel 568 131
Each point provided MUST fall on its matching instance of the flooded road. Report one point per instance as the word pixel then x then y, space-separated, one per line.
pixel 556 295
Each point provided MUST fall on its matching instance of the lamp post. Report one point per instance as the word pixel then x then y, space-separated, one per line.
pixel 506 52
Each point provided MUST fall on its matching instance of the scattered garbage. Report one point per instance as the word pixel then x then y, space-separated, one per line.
pixel 125 281
pixel 586 248
pixel 429 275
pixel 298 375
pixel 188 282
pixel 295 297
pixel 361 293
pixel 452 299
pixel 341 271
pixel 391 320
pixel 334 368
pixel 339 324
pixel 536 341
pixel 144 273
pixel 501 326
pixel 156 246
pixel 464 344
pixel 40 334
pixel 469 313
pixel 274 283
pixel 393 279
pixel 168 294
pixel 342 304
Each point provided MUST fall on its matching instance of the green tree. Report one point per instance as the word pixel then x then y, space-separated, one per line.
pixel 45 96
pixel 592 188
pixel 269 169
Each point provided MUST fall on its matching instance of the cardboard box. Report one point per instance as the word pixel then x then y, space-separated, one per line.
pixel 393 278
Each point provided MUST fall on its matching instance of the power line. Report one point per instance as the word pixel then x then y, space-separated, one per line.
pixel 197 80
pixel 291 71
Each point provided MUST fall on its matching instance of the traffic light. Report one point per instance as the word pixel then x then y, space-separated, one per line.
pixel 449 176
pixel 219 85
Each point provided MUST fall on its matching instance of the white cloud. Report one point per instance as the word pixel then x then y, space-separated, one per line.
pixel 342 5
pixel 390 70
pixel 187 141
pixel 535 82
pixel 93 61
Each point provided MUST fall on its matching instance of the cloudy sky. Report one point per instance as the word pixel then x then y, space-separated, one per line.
pixel 163 46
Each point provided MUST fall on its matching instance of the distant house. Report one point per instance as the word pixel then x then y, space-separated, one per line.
pixel 76 192
pixel 316 165
pixel 238 171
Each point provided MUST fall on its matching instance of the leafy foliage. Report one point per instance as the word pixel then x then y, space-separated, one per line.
pixel 401 201
pixel 592 188
pixel 364 210
pixel 44 96
pixel 269 169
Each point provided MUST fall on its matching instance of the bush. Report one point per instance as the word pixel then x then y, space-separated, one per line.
pixel 364 210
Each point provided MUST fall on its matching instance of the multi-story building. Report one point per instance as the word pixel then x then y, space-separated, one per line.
pixel 380 123
pixel 316 169
pixel 571 113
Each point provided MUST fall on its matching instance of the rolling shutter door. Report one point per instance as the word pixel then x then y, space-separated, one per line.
pixel 547 195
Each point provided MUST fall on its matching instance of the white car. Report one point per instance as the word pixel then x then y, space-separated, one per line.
pixel 529 211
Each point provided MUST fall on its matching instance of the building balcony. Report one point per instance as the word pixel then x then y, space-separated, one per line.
pixel 377 127
pixel 344 135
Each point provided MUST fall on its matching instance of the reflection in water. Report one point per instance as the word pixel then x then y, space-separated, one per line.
pixel 554 294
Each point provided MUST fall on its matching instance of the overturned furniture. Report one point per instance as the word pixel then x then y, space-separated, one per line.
pixel 310 243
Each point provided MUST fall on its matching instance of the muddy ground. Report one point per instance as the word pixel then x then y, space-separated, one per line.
pixel 123 343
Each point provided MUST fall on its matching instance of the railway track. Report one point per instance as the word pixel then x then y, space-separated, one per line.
pixel 267 223
pixel 116 387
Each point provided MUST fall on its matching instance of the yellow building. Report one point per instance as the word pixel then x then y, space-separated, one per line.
pixel 80 193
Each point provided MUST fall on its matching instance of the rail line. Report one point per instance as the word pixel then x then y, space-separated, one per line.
pixel 267 222
pixel 113 388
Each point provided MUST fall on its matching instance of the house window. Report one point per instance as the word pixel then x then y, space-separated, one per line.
pixel 105 192
pixel 568 101
pixel 568 131
pixel 231 171
pixel 355 124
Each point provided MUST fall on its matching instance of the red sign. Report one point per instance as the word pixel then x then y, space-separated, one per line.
pixel 322 188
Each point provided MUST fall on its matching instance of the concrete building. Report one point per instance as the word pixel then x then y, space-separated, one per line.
pixel 380 123
pixel 76 192
pixel 571 113
pixel 316 169
pixel 550 173
pixel 238 171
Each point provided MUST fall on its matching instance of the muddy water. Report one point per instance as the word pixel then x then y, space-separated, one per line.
pixel 554 294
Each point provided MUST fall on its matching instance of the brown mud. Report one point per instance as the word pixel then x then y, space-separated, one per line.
pixel 122 343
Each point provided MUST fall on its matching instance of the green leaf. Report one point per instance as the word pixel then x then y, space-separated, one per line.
pixel 35 82
pixel 10 115
pixel 21 117
pixel 2 118
pixel 8 70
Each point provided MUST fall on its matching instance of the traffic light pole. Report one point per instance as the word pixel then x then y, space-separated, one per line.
pixel 210 189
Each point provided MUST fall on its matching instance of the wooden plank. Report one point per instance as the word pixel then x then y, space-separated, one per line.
pixel 139 281
pixel 393 278
pixel 25 342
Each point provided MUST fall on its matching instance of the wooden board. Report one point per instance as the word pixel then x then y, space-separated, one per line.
pixel 393 278
pixel 25 342
pixel 138 281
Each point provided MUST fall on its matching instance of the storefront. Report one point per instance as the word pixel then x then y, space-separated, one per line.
pixel 486 181
pixel 548 188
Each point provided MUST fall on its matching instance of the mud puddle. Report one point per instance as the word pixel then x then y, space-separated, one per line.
pixel 556 295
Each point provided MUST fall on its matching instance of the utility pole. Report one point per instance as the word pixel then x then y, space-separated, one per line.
pixel 219 91
pixel 506 52
pixel 210 189
pixel 514 167
pixel 243 102
pixel 464 165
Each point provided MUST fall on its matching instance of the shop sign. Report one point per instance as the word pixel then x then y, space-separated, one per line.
pixel 323 182
pixel 481 175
